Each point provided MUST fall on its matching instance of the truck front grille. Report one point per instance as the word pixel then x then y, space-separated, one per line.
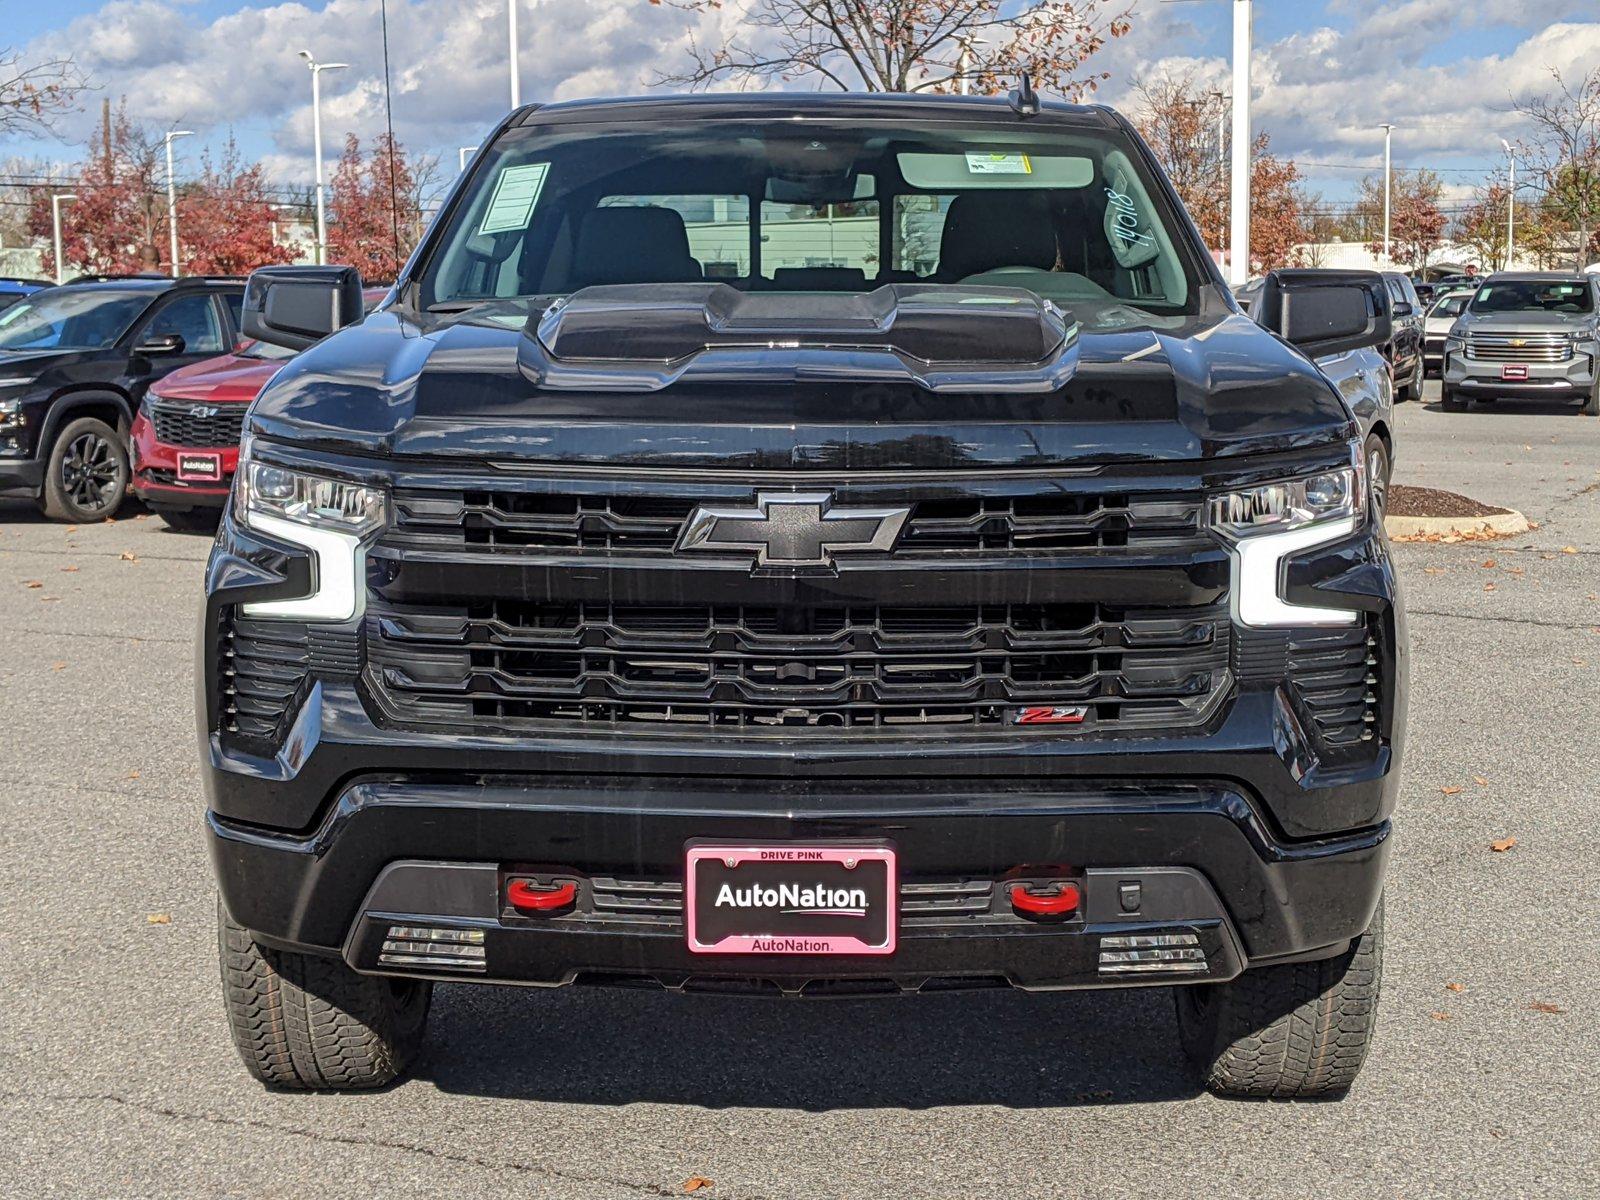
pixel 1520 348
pixel 506 664
pixel 651 525
pixel 205 426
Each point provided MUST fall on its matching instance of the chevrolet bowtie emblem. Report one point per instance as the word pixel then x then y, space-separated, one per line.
pixel 792 529
pixel 1519 342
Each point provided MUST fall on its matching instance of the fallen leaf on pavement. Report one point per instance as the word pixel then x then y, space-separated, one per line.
pixel 1451 790
pixel 133 774
pixel 1442 571
pixel 34 583
pixel 1503 845
pixel 694 1183
pixel 159 919
pixel 1440 1016
pixel 1487 564
pixel 1545 1006
pixel 58 666
pixel 1569 549
pixel 69 570
pixel 1480 781
pixel 1488 587
pixel 129 556
pixel 1455 987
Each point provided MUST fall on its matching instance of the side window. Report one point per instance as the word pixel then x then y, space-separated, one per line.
pixel 193 318
pixel 235 302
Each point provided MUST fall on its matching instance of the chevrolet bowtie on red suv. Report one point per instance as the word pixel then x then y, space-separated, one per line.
pixel 185 438
pixel 806 546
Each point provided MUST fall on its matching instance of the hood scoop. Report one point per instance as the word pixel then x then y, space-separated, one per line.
pixel 644 337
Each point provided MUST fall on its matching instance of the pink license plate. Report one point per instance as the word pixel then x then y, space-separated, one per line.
pixel 782 898
pixel 200 468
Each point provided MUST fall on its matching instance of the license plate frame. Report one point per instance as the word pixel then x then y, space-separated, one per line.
pixel 1514 372
pixel 198 467
pixel 816 929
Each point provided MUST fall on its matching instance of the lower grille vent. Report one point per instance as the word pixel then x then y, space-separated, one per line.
pixel 1334 675
pixel 264 665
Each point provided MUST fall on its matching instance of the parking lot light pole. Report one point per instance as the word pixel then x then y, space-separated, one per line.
pixel 1511 204
pixel 316 137
pixel 56 202
pixel 516 72
pixel 172 194
pixel 1388 136
pixel 1239 203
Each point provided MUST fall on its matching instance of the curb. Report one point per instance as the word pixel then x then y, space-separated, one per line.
pixel 1504 524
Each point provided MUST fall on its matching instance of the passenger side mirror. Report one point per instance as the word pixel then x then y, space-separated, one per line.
pixel 1326 312
pixel 296 307
pixel 162 345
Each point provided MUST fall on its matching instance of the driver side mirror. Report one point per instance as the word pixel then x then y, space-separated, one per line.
pixel 161 345
pixel 296 307
pixel 1326 312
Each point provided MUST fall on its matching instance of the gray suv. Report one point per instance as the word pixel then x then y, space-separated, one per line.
pixel 1526 336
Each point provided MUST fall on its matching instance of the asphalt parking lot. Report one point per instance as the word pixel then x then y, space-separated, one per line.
pixel 117 1077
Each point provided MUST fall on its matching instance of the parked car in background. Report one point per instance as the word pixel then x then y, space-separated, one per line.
pixel 1436 326
pixel 1425 292
pixel 1528 336
pixel 1404 350
pixel 12 290
pixel 76 361
pixel 185 438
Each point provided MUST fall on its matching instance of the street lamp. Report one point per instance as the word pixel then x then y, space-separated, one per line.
pixel 172 194
pixel 316 136
pixel 1239 203
pixel 516 73
pixel 1388 137
pixel 1511 204
pixel 56 202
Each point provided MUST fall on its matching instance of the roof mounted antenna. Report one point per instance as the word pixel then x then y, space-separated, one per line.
pixel 1023 98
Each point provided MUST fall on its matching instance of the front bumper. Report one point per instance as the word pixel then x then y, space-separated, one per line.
pixel 156 471
pixel 1573 378
pixel 419 852
pixel 20 477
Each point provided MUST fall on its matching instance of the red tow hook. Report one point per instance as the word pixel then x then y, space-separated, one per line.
pixel 1044 900
pixel 526 896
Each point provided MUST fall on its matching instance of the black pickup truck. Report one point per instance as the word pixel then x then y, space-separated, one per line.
pixel 810 546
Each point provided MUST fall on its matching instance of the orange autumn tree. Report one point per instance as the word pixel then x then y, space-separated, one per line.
pixel 226 217
pixel 375 201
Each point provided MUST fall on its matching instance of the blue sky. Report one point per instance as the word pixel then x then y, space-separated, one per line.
pixel 1327 71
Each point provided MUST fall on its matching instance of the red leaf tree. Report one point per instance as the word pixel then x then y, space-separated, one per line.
pixel 375 209
pixel 226 218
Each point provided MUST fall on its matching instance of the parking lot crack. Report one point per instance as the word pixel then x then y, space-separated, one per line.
pixel 324 1136
pixel 1500 619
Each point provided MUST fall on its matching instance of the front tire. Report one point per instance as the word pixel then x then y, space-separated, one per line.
pixel 304 1022
pixel 1591 406
pixel 1291 1032
pixel 86 474
pixel 1379 469
pixel 1449 401
pixel 1413 389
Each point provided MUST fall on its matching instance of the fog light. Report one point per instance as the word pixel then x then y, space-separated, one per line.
pixel 434 947
pixel 1149 953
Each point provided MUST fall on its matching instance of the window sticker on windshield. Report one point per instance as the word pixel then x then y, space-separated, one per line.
pixel 515 195
pixel 998 164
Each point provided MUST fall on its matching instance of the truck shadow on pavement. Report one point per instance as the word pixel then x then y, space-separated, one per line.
pixel 608 1046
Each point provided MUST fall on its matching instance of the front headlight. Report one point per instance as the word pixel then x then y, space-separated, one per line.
pixel 329 517
pixel 1266 524
pixel 11 418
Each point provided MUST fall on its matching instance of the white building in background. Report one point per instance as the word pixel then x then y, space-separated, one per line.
pixel 1449 258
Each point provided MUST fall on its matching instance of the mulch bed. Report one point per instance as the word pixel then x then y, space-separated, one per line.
pixel 1430 502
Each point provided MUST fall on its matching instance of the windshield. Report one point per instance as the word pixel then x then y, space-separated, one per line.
pixel 1530 295
pixel 64 319
pixel 1065 211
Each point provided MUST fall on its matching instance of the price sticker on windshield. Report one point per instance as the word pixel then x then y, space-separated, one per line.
pixel 998 164
pixel 515 195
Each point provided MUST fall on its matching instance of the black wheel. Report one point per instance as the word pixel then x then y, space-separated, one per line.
pixel 305 1023
pixel 1449 401
pixel 1591 406
pixel 189 520
pixel 1379 468
pixel 86 476
pixel 1292 1031
pixel 1413 389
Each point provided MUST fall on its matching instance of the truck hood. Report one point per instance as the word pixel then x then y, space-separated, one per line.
pixel 1525 322
pixel 707 387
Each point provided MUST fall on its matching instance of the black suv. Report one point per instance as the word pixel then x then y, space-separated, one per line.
pixel 807 546
pixel 75 362
pixel 1405 349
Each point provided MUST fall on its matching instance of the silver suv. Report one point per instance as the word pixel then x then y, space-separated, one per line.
pixel 1526 336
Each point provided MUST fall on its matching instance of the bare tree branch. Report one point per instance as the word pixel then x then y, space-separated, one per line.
pixel 34 94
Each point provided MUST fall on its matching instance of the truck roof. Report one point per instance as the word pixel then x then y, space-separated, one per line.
pixel 765 105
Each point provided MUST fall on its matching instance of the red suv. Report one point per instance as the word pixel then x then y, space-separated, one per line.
pixel 186 436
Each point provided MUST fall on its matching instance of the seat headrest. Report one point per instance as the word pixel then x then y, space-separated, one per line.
pixel 629 244
pixel 820 279
pixel 986 230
